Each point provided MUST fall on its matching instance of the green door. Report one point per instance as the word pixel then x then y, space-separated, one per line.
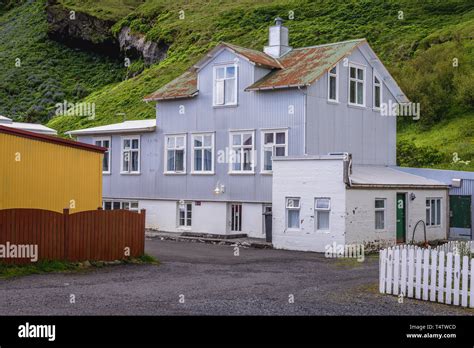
pixel 460 211
pixel 401 218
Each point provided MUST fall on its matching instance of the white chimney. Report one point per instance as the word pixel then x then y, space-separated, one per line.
pixel 277 40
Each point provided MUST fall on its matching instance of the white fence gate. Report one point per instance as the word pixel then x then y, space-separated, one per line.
pixel 427 274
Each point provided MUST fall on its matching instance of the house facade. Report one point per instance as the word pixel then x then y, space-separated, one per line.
pixel 461 198
pixel 206 165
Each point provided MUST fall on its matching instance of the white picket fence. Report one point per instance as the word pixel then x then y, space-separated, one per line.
pixel 427 274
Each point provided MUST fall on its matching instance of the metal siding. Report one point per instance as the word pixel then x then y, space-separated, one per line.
pixel 255 110
pixel 48 176
pixel 335 127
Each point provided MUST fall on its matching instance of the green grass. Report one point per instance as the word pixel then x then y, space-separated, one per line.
pixel 104 9
pixel 10 271
pixel 49 72
pixel 455 135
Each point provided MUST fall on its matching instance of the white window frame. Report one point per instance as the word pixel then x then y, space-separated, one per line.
pixel 274 145
pixel 167 136
pixel 231 147
pixel 384 210
pixel 123 204
pixel 363 68
pixel 288 208
pixel 318 210
pixel 380 84
pixel 214 82
pixel 108 152
pixel 212 147
pixel 185 226
pixel 438 214
pixel 336 76
pixel 122 141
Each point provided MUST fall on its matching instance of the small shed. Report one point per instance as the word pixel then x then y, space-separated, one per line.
pixel 461 198
pixel 47 172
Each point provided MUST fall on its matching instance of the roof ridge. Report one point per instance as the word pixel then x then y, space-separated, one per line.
pixel 330 44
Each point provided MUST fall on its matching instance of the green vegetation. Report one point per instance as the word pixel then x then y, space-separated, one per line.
pixel 40 267
pixel 417 41
pixel 36 73
pixel 437 145
pixel 9 271
pixel 104 9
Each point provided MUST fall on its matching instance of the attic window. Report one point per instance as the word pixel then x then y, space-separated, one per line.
pixel 225 85
pixel 356 85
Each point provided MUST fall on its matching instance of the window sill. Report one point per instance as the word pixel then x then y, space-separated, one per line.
pixel 241 173
pixel 266 173
pixel 334 102
pixel 225 106
pixel 203 173
pixel 293 230
pixel 323 231
pixel 130 173
pixel 106 173
pixel 357 106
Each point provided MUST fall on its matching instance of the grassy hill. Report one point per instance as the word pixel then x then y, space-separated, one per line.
pixel 417 41
pixel 36 73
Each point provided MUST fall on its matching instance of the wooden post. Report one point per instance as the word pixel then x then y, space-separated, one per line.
pixel 66 232
pixel 142 230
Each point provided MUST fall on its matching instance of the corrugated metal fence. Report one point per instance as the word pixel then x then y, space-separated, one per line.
pixel 89 235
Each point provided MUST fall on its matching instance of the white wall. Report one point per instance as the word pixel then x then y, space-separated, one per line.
pixel 360 221
pixel 308 179
pixel 208 217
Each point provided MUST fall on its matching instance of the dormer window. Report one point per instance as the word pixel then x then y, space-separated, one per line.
pixel 332 84
pixel 225 85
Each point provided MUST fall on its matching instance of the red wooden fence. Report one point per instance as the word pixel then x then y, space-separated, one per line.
pixel 89 235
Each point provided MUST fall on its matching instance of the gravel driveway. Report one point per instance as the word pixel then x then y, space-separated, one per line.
pixel 200 279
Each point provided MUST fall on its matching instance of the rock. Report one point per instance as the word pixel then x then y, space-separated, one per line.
pixel 86 264
pixel 136 46
pixel 84 31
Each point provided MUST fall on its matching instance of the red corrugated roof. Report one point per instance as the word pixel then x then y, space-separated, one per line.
pixel 303 66
pixel 299 67
pixel 184 86
pixel 50 139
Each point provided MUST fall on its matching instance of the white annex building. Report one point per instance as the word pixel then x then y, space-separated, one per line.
pixel 331 200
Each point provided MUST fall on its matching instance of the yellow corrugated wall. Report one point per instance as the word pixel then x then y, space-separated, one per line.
pixel 48 176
